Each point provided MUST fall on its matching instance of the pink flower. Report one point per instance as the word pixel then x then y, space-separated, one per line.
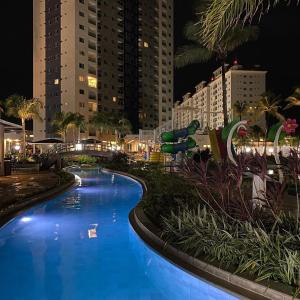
pixel 242 132
pixel 289 126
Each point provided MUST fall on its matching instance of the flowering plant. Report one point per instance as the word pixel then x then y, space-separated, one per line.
pixel 290 126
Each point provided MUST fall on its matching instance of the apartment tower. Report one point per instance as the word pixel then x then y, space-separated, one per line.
pixel 103 55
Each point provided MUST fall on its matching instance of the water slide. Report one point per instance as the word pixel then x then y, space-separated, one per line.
pixel 171 139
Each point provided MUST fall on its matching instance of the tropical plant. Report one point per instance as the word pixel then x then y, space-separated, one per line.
pixel 268 107
pixel 220 16
pixel 257 133
pixel 123 127
pixel 195 52
pixel 78 121
pixel 266 254
pixel 104 121
pixel 294 99
pixel 61 123
pixel 240 107
pixel 23 109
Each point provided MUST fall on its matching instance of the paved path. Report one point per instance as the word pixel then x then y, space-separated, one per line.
pixel 16 188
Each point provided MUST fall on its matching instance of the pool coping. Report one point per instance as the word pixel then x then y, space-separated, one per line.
pixel 14 211
pixel 150 234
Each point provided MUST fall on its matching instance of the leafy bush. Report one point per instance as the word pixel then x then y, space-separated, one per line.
pixel 85 159
pixel 246 247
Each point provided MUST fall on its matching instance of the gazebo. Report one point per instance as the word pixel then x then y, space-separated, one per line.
pixel 5 126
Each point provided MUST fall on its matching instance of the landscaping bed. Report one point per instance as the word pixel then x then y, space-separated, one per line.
pixel 17 190
pixel 262 245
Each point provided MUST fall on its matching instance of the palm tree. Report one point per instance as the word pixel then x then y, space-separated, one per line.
pixel 257 133
pixel 294 99
pixel 24 109
pixel 197 53
pixel 223 15
pixel 79 123
pixel 61 123
pixel 124 127
pixel 240 107
pixel 268 107
pixel 103 121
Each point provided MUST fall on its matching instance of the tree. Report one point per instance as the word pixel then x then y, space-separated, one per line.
pixel 79 123
pixel 220 16
pixel 240 108
pixel 23 109
pixel 257 133
pixel 104 121
pixel 268 107
pixel 61 123
pixel 197 53
pixel 124 127
pixel 294 99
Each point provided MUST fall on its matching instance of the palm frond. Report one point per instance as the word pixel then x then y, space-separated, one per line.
pixel 191 54
pixel 221 15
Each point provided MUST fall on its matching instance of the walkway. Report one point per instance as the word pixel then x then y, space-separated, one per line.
pixel 16 188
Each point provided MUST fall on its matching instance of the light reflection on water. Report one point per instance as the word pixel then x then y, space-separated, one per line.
pixel 80 245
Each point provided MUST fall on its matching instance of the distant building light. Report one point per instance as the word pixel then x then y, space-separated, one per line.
pixel 56 81
pixel 114 99
pixel 81 78
pixel 146 45
pixel 92 82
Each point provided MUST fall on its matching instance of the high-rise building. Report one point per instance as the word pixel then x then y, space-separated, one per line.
pixel 206 104
pixel 103 55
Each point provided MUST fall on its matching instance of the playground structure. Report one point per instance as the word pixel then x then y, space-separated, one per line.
pixel 171 139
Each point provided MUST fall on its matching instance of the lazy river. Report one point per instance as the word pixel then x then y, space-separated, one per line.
pixel 80 245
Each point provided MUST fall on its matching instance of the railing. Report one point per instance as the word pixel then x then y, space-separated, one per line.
pixel 78 147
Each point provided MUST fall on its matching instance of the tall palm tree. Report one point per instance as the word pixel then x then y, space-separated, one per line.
pixel 103 121
pixel 240 107
pixel 257 133
pixel 223 15
pixel 268 107
pixel 294 99
pixel 23 109
pixel 61 123
pixel 79 123
pixel 123 127
pixel 195 52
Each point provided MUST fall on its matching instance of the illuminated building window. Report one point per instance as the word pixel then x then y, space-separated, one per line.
pixel 146 45
pixel 81 78
pixel 114 99
pixel 92 82
pixel 56 81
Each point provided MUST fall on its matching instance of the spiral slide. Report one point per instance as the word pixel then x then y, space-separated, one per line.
pixel 171 138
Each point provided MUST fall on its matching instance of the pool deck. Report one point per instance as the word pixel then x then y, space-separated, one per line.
pixel 21 190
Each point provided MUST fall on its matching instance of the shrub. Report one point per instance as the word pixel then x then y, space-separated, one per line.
pixel 246 247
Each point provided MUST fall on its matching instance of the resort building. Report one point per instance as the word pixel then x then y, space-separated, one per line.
pixel 205 104
pixel 112 56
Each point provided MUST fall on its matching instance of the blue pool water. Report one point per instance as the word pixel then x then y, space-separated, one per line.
pixel 80 245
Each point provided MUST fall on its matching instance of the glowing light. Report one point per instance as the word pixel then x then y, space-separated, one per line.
pixel 78 147
pixel 271 172
pixel 248 149
pixel 271 150
pixel 26 219
pixel 17 147
pixel 92 82
pixel 56 81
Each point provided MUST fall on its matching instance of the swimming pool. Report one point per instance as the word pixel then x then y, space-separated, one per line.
pixel 80 245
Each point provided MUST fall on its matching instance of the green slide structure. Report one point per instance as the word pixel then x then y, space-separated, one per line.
pixel 174 135
pixel 171 139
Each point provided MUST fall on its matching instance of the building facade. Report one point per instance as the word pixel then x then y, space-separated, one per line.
pixel 205 104
pixel 99 55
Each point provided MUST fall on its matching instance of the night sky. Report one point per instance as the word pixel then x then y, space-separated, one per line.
pixel 277 50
